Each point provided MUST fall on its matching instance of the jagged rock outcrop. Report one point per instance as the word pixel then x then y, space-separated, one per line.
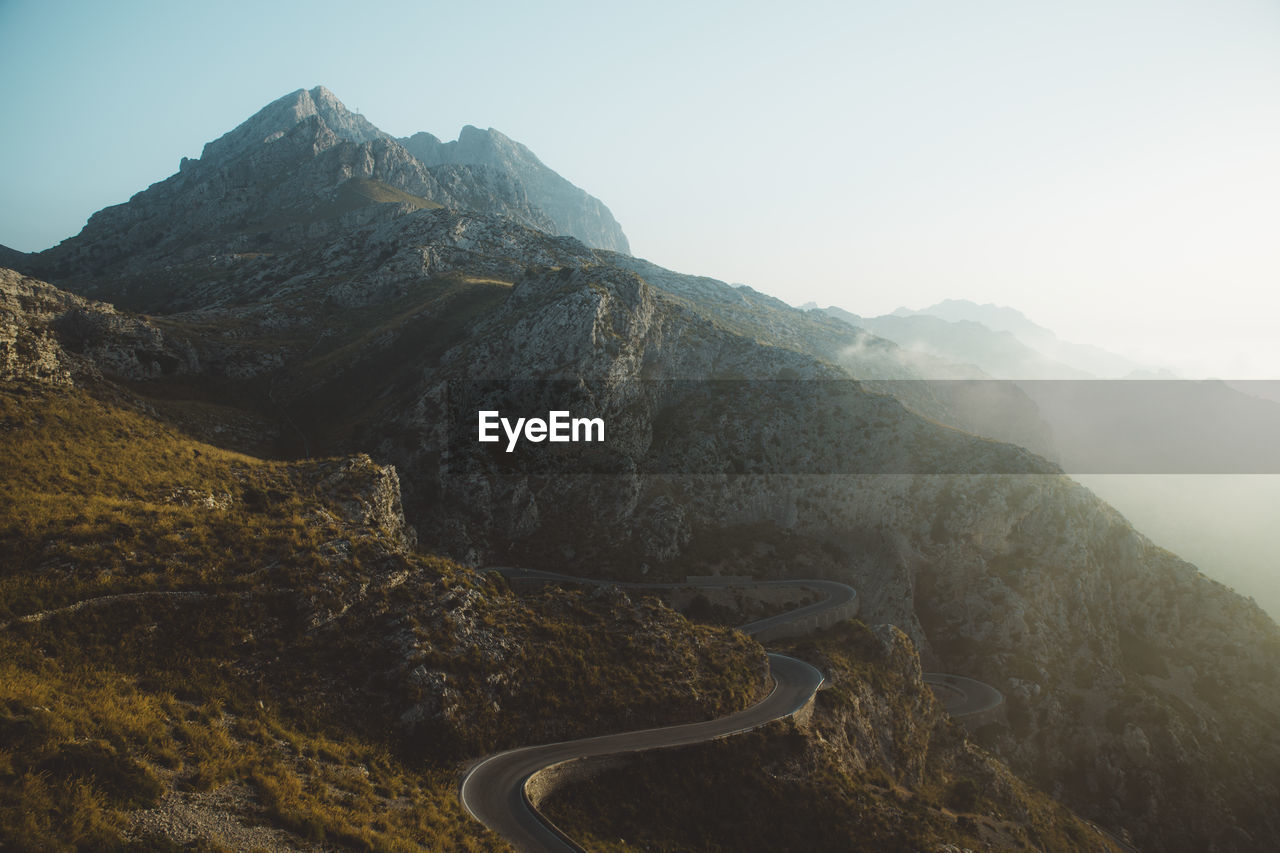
pixel 29 350
pixel 572 211
pixel 369 496
pixel 52 337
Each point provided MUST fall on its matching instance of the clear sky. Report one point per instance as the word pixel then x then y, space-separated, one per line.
pixel 1109 167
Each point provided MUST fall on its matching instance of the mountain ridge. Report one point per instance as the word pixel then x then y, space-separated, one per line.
pixel 1089 359
pixel 278 174
pixel 576 212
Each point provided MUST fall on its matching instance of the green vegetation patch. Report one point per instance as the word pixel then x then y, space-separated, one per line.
pixel 357 192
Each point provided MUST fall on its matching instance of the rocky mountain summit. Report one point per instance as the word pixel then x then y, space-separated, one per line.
pixel 302 167
pixel 274 120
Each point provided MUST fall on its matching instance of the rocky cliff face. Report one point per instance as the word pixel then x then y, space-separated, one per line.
pixel 369 496
pixel 1115 656
pixel 53 337
pixel 874 765
pixel 572 211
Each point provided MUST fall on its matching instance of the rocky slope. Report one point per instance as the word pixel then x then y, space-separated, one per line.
pixel 875 765
pixel 47 335
pixel 1115 657
pixel 572 211
pixel 197 644
pixel 303 167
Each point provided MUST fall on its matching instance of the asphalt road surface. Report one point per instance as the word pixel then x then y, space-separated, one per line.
pixel 961 696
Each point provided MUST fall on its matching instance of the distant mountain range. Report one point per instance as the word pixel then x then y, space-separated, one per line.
pixel 1090 360
pixel 1147 424
pixel 1000 341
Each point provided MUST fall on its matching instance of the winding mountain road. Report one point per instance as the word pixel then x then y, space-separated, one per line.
pixel 495 789
pixel 963 696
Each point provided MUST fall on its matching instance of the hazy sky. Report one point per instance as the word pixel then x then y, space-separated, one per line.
pixel 1109 168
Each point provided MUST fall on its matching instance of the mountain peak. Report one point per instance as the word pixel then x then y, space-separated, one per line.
pixel 283 114
pixel 573 211
pixel 994 315
pixel 291 161
pixel 321 95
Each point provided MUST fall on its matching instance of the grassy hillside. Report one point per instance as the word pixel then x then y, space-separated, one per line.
pixel 204 648
pixel 98 499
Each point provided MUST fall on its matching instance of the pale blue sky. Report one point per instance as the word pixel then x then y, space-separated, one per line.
pixel 1110 168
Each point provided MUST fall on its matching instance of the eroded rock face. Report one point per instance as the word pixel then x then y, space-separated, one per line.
pixel 29 350
pixel 50 336
pixel 1114 655
pixel 370 497
pixel 571 211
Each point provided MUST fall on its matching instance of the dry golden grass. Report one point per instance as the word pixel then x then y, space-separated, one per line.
pixel 107 709
pixel 83 747
pixel 98 499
